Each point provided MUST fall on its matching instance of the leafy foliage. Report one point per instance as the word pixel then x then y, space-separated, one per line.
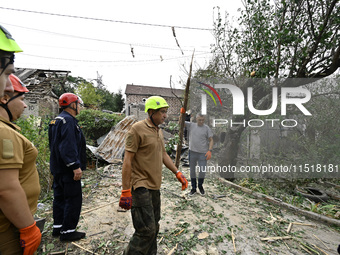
pixel 111 101
pixel 280 39
pixel 172 141
pixel 96 123
pixel 273 39
pixel 36 130
pixel 88 93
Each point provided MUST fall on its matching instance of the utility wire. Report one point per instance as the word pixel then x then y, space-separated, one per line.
pixel 106 20
pixel 95 39
pixel 110 61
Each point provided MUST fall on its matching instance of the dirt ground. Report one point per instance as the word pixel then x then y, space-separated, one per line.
pixel 224 221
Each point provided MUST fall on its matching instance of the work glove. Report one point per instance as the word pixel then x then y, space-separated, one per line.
pixel 182 180
pixel 125 200
pixel 208 155
pixel 30 238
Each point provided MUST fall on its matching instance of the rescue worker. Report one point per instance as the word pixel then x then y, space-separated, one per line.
pixel 67 162
pixel 142 176
pixel 19 179
pixel 7 49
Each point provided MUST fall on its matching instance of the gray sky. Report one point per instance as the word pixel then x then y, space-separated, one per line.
pixel 88 46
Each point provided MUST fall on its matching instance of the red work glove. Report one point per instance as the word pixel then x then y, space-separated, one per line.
pixel 182 180
pixel 125 200
pixel 30 238
pixel 208 155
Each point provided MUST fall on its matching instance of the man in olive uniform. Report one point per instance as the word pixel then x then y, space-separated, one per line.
pixel 142 176
pixel 7 49
pixel 19 178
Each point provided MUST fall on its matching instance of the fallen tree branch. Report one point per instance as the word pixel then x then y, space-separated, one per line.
pixel 98 207
pixel 173 250
pixel 276 238
pixel 77 245
pixel 233 238
pixel 275 201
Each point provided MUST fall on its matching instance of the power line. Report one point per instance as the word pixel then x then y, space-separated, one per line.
pixel 110 61
pixel 106 20
pixel 96 39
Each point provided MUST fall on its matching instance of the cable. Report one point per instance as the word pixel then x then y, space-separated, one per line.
pixel 99 40
pixel 111 61
pixel 106 20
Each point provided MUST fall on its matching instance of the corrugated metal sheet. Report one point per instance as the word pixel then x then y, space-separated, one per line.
pixel 112 147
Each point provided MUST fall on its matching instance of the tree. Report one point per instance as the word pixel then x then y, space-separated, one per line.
pixel 286 39
pixel 118 102
pixel 89 94
pixel 111 101
pixel 69 87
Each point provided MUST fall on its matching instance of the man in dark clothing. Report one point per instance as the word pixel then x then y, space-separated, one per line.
pixel 67 161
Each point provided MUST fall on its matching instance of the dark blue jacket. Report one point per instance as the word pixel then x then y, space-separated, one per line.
pixel 67 145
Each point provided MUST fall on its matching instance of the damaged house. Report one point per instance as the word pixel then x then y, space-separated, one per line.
pixel 41 101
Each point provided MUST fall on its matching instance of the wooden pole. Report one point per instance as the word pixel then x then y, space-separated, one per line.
pixel 182 116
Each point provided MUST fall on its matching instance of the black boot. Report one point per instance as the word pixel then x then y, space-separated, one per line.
pixel 73 236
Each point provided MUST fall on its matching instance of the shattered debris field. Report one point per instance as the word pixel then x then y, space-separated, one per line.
pixel 223 221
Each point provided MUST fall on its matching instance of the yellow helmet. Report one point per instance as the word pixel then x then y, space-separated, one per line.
pixel 7 42
pixel 155 102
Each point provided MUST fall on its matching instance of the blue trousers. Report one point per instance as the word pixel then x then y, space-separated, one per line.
pixel 67 202
pixel 198 160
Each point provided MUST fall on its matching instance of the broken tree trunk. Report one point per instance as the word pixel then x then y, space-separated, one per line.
pixel 275 201
pixel 182 116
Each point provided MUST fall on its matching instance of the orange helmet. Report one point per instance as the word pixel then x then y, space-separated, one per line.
pixel 67 98
pixel 18 85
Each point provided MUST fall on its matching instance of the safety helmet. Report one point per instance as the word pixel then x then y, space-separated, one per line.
pixel 18 85
pixel 7 42
pixel 67 98
pixel 155 102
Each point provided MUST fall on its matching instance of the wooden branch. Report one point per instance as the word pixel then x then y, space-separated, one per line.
pixel 173 250
pixel 276 238
pixel 233 238
pixel 96 208
pixel 180 232
pixel 321 241
pixel 275 201
pixel 289 228
pixel 77 245
pixel 182 116
pixel 320 249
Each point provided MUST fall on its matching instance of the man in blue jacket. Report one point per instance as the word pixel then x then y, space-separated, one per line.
pixel 67 162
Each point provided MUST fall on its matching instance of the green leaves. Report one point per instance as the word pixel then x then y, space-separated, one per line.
pixel 95 123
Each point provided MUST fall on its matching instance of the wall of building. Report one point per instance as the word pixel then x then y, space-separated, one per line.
pixel 174 103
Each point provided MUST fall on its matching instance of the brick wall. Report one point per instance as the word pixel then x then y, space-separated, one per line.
pixel 174 103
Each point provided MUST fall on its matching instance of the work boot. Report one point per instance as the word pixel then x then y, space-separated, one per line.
pixel 56 232
pixel 201 190
pixel 73 236
pixel 192 192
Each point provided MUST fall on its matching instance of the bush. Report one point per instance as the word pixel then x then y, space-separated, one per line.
pixel 35 129
pixel 96 123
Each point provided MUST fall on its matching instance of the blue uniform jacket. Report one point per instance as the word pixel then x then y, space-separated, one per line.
pixel 67 145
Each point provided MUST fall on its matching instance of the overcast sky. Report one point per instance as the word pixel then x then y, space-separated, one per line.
pixel 90 46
